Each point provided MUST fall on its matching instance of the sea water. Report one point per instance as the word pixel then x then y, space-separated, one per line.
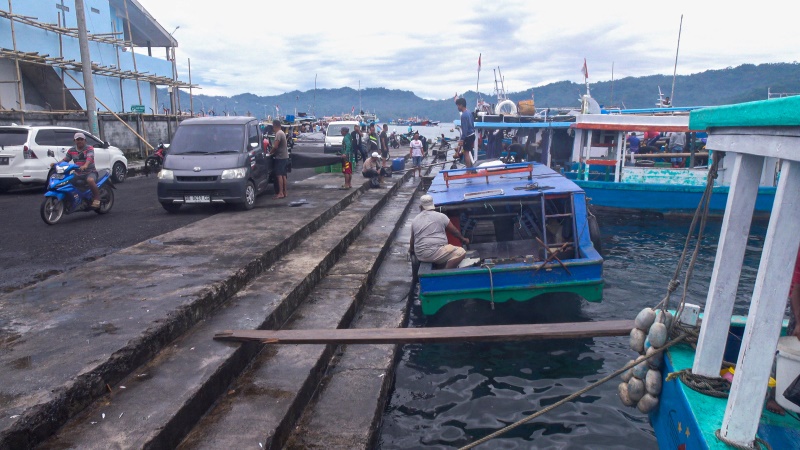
pixel 448 395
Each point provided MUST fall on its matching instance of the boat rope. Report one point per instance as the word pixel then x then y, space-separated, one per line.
pixel 761 443
pixel 700 214
pixel 573 396
pixel 491 282
pixel 711 386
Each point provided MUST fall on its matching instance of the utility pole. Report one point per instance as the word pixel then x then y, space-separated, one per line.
pixel 86 62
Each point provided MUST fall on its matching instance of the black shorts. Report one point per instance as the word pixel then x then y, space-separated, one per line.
pixel 279 166
pixel 469 142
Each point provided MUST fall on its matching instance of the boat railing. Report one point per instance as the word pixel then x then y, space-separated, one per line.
pixel 486 172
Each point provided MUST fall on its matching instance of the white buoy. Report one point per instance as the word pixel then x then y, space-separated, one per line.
pixel 657 335
pixel 623 395
pixel 637 340
pixel 645 319
pixel 640 370
pixel 655 361
pixel 628 373
pixel 647 403
pixel 652 382
pixel 636 389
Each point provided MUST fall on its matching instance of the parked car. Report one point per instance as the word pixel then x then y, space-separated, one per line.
pixel 215 160
pixel 333 136
pixel 24 154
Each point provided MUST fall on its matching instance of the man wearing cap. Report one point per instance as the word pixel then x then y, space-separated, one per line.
pixel 374 169
pixel 429 236
pixel 83 156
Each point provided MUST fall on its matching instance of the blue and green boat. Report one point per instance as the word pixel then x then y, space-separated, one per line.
pixel 530 232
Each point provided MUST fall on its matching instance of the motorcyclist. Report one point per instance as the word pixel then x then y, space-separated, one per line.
pixel 83 156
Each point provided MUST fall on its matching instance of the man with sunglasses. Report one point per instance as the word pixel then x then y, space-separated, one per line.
pixel 83 156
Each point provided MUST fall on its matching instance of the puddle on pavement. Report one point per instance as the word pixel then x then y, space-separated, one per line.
pixel 21 363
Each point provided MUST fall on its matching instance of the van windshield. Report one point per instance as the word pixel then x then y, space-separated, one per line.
pixel 336 129
pixel 205 139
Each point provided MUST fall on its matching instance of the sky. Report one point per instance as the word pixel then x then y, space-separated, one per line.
pixel 431 48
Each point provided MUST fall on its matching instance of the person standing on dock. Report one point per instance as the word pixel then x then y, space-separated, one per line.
pixel 677 141
pixel 348 158
pixel 384 138
pixel 429 236
pixel 467 140
pixel 415 152
pixel 280 155
pixel 355 138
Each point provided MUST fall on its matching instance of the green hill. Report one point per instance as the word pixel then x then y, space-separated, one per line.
pixel 744 83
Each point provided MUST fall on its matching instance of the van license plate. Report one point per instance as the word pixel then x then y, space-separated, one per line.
pixel 3 160
pixel 197 199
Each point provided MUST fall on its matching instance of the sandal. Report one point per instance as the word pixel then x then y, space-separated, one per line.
pixel 95 204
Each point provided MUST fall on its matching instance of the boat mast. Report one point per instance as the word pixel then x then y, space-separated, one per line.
pixel 675 68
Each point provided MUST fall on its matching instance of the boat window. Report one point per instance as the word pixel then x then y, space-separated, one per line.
pixel 507 231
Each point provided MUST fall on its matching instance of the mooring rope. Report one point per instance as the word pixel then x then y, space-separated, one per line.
pixel 491 283
pixel 761 443
pixel 573 396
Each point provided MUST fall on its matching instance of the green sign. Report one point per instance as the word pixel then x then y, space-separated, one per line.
pixel 138 109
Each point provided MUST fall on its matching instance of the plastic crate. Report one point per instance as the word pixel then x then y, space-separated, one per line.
pixel 323 169
pixel 335 168
pixel 398 164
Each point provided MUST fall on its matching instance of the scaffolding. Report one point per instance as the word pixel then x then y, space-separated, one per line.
pixel 59 62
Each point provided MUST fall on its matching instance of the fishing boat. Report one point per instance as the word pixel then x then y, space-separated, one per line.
pixel 530 232
pixel 751 134
pixel 590 148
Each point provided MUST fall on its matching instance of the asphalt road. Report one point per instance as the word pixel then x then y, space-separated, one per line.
pixel 31 250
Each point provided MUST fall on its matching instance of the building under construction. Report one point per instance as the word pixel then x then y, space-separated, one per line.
pixel 41 69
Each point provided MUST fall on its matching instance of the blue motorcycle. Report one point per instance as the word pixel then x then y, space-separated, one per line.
pixel 66 194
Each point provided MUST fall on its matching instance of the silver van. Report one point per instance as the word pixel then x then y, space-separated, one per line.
pixel 215 160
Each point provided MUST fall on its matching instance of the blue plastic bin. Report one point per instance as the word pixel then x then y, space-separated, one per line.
pixel 398 164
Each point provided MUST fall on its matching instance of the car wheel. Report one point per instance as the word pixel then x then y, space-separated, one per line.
pixel 249 198
pixel 171 207
pixel 119 172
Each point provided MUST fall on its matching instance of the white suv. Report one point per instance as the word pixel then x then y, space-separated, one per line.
pixel 24 154
pixel 333 137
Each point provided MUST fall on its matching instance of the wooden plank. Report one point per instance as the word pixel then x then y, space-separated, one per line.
pixel 491 333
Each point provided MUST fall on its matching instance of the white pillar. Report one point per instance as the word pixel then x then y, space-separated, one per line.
pixel 588 154
pixel 577 146
pixel 728 264
pixel 766 311
pixel 620 155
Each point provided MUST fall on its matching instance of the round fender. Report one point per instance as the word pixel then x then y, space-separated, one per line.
pixel 506 103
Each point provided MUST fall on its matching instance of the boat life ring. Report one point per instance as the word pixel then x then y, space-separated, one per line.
pixel 506 104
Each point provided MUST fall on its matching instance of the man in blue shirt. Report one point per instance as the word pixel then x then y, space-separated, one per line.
pixel 633 145
pixel 467 140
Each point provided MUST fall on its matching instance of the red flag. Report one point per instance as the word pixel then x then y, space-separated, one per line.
pixel 479 62
pixel 276 108
pixel 455 97
pixel 352 111
pixel 585 69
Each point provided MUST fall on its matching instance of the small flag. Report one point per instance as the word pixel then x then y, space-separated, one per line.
pixel 479 62
pixel 352 111
pixel 585 69
pixel 456 97
pixel 276 108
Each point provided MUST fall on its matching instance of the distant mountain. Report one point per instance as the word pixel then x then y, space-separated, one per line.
pixel 744 83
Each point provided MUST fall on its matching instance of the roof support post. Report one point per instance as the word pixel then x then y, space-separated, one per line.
pixel 728 263
pixel 767 308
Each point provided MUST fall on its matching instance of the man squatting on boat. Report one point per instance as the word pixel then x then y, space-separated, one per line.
pixel 429 237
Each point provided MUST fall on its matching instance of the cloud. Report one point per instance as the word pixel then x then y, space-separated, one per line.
pixel 432 48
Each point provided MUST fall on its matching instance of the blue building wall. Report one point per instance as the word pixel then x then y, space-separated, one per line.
pixel 100 18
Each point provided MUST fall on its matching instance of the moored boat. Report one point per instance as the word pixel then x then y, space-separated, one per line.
pixel 751 133
pixel 530 232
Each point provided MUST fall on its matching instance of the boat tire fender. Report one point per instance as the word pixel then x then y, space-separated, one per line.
pixel 509 103
pixel 594 233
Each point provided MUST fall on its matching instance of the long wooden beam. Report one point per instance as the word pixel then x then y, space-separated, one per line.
pixel 491 333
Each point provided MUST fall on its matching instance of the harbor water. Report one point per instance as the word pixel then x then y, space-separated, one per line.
pixel 449 395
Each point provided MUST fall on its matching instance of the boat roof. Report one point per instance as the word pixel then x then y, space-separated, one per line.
pixel 620 122
pixel 505 182
pixel 504 125
pixel 777 112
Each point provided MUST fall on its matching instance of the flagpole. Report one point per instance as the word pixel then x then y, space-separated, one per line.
pixel 675 69
pixel 477 90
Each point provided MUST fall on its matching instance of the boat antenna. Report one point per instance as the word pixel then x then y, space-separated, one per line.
pixel 314 109
pixel 477 90
pixel 675 69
